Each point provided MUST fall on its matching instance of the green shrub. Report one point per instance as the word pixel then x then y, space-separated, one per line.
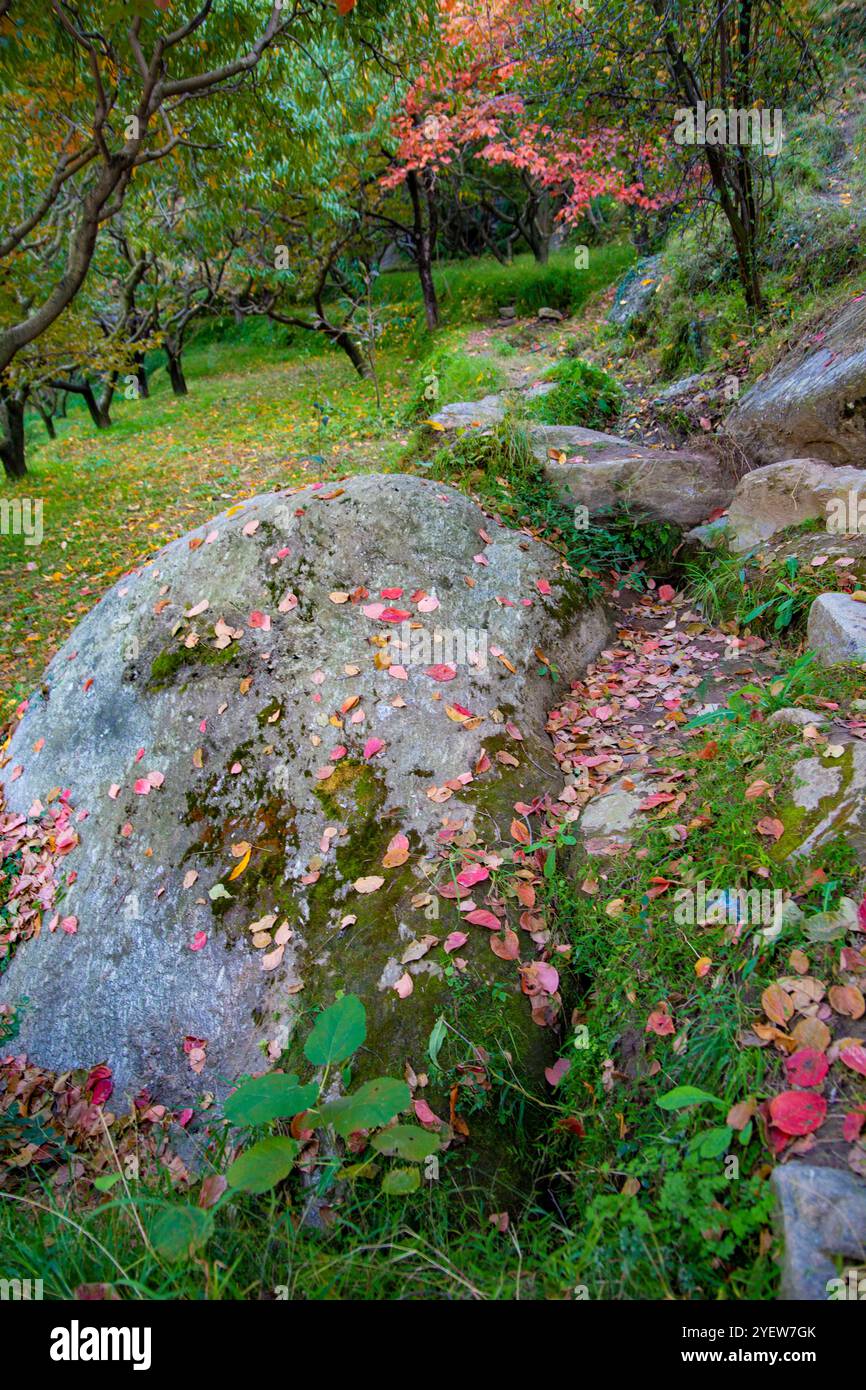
pixel 447 375
pixel 583 395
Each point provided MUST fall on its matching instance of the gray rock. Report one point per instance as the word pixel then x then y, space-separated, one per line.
pixel 126 989
pixel 686 387
pixel 604 473
pixel 792 714
pixel 770 499
pixel 713 535
pixel 613 814
pixel 471 415
pixel 821 1214
pixel 829 797
pixel 813 402
pixel 836 630
pixel 551 315
pixel 634 294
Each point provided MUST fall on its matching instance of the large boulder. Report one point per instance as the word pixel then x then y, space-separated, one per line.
pixel 228 722
pixel 604 473
pixel 813 401
pixel 770 499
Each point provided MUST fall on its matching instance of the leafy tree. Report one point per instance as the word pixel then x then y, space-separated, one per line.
pixel 641 67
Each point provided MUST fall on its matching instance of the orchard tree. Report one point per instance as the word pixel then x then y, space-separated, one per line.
pixel 92 96
pixel 301 208
pixel 471 115
pixel 644 68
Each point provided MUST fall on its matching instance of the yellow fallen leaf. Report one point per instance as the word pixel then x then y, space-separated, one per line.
pixel 239 868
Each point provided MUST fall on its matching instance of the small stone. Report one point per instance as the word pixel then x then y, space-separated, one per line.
pixel 836 630
pixel 821 1213
pixel 792 714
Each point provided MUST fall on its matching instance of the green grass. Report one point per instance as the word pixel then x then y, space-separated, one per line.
pixel 477 289
pixel 449 374
pixel 583 395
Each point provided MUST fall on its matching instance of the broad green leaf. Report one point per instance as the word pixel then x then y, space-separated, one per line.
pixel 272 1097
pixel 681 1096
pixel 407 1141
pixel 713 1142
pixel 177 1231
pixel 436 1039
pixel 337 1032
pixel 264 1165
pixel 370 1107
pixel 401 1181
pixel 106 1182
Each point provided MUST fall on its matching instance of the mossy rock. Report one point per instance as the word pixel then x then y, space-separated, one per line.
pixel 266 746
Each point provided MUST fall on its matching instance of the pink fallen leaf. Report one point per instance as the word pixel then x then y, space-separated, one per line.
pixel 441 673
pixel 472 874
pixel 547 976
pixel 198 941
pixel 260 620
pixel 660 1022
pixel 506 947
pixel 454 940
pixel 855 1058
pixel 372 747
pixel 368 884
pixel 807 1067
pixel 424 1115
pixel 482 918
pixel 798 1112
pixel 404 985
pixel 559 1069
pixel 771 827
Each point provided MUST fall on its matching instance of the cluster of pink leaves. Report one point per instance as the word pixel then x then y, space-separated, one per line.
pixel 32 847
pixel 77 1127
pixel 470 105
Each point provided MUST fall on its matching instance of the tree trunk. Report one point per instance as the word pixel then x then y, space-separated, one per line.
pixel 344 340
pixel 175 373
pixel 141 377
pixel 99 416
pixel 423 241
pixel 543 227
pixel 47 421
pixel 12 443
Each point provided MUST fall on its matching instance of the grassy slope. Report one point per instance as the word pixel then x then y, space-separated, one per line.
pixel 250 423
